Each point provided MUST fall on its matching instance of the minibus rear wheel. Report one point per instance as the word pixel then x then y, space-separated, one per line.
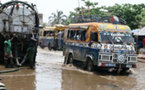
pixel 40 44
pixel 49 46
pixel 70 59
pixel 90 65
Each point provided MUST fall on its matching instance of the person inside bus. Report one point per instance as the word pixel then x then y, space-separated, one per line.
pixel 47 34
pixel 78 36
pixel 75 36
pixel 83 35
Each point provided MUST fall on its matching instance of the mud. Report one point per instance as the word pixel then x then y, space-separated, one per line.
pixel 51 74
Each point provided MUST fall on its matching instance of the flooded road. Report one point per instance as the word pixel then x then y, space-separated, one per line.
pixel 51 74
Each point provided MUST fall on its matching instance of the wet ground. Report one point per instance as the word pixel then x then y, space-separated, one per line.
pixel 51 74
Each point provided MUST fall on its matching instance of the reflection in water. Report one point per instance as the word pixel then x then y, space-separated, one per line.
pixel 48 70
pixel 21 80
pixel 140 77
pixel 50 75
pixel 74 80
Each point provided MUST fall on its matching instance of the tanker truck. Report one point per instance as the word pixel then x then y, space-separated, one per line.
pixel 18 20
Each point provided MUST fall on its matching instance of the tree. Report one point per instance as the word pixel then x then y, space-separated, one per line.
pixel 132 15
pixel 88 4
pixel 57 18
pixel 129 13
pixel 142 17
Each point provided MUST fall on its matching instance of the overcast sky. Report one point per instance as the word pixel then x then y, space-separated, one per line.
pixel 48 6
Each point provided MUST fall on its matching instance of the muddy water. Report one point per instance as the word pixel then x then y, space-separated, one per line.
pixel 50 74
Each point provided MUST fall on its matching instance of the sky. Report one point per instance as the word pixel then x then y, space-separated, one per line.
pixel 49 6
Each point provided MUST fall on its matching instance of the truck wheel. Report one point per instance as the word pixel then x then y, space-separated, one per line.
pixel 49 47
pixel 90 65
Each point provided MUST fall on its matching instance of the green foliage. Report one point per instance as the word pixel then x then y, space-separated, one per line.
pixel 141 17
pixel 89 4
pixel 57 18
pixel 132 15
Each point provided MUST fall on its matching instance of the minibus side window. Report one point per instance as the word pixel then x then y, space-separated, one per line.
pixel 48 33
pixel 71 34
pixel 45 33
pixel 77 35
pixel 83 35
pixel 94 36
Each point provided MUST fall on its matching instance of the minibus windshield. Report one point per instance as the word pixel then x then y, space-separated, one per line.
pixel 116 38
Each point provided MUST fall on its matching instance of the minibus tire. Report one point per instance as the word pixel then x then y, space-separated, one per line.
pixel 49 46
pixel 124 70
pixel 41 45
pixel 70 59
pixel 90 65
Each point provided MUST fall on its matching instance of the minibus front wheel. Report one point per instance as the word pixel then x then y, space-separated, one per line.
pixel 125 70
pixel 90 65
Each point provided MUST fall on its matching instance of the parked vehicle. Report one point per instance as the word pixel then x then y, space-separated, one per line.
pixel 52 37
pixel 103 45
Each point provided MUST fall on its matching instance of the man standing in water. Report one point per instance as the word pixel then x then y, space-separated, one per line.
pixel 31 50
pixel 8 52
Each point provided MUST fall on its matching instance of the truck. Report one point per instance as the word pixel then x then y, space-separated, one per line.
pixel 20 21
